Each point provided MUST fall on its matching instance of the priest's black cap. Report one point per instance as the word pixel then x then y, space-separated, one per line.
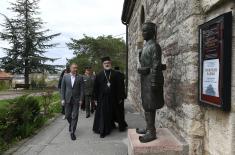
pixel 105 59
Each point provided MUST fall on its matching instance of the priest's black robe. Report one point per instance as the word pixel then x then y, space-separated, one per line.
pixel 119 108
pixel 107 97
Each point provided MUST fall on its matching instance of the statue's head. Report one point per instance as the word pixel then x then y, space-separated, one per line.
pixel 148 30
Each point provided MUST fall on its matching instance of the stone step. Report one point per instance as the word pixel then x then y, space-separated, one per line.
pixel 165 144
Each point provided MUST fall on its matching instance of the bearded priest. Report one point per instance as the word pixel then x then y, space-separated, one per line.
pixel 106 93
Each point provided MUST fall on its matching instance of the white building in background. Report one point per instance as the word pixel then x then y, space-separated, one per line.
pixel 19 78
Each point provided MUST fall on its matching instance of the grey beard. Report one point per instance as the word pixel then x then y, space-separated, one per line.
pixel 107 68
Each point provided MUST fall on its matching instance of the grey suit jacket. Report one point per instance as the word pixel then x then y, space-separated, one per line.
pixel 67 91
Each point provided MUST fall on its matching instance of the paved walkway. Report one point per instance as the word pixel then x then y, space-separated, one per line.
pixel 10 94
pixel 55 139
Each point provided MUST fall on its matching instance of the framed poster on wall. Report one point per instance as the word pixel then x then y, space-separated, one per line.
pixel 215 47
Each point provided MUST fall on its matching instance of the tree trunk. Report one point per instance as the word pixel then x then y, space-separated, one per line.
pixel 26 73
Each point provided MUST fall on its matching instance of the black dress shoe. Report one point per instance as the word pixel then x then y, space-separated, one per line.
pixel 73 137
pixel 102 135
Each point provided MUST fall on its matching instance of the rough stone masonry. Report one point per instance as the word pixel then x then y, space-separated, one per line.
pixel 208 130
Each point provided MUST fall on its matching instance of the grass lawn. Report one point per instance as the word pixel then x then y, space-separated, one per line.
pixel 4 103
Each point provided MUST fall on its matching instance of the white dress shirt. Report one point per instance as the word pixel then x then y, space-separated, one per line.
pixel 72 79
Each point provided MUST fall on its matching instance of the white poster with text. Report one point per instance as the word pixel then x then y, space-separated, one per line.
pixel 211 77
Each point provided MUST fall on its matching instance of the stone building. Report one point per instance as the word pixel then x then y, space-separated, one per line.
pixel 207 130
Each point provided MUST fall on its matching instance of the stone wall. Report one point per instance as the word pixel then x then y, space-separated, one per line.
pixel 219 126
pixel 133 78
pixel 207 130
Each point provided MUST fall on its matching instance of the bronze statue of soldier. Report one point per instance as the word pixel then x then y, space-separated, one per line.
pixel 152 81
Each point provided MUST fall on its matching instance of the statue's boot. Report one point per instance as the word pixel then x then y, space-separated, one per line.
pixel 142 131
pixel 150 134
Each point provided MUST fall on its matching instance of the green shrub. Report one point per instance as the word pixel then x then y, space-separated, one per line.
pixel 7 124
pixel 40 121
pixel 26 104
pixel 3 145
pixel 4 103
pixel 55 107
pixel 19 119
pixel 26 109
pixel 56 97
pixel 47 100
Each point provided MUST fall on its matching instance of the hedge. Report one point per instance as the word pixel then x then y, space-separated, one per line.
pixel 21 118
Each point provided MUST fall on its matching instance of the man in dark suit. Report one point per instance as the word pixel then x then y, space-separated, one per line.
pixel 72 95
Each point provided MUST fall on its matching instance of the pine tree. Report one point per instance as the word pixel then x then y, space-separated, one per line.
pixel 28 41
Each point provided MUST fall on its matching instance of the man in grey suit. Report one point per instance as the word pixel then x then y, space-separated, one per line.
pixel 72 95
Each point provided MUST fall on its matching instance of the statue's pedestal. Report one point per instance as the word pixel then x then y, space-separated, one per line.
pixel 165 144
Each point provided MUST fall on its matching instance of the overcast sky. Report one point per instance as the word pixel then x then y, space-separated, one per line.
pixel 73 18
